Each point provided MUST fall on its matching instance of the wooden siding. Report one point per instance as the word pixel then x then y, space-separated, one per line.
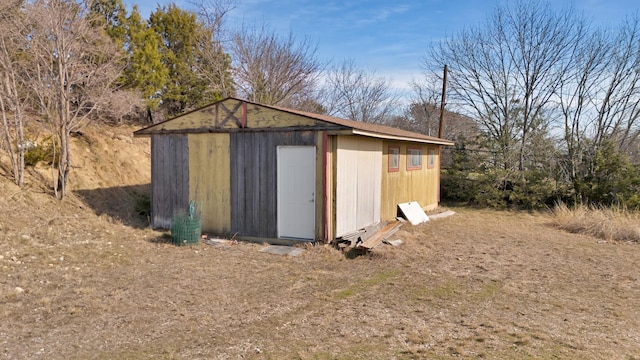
pixel 325 187
pixel 254 182
pixel 358 183
pixel 334 182
pixel 401 186
pixel 259 117
pixel 169 178
pixel 209 180
pixel 233 114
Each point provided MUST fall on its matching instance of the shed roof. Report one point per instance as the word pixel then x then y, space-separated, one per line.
pixel 355 127
pixel 369 129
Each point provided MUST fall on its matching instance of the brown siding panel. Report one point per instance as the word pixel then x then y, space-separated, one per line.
pixel 236 153
pixel 170 177
pixel 253 179
pixel 267 186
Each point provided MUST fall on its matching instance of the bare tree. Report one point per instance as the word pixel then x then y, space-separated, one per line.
pixel 575 95
pixel 599 96
pixel 619 109
pixel 12 101
pixel 215 63
pixel 508 71
pixel 213 13
pixel 355 94
pixel 121 105
pixel 273 70
pixel 423 112
pixel 73 70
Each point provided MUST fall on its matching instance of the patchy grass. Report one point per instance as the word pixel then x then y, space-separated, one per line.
pixel 478 284
pixel 95 283
pixel 612 224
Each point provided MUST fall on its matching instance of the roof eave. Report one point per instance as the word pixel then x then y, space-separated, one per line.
pixel 435 141
pixel 139 134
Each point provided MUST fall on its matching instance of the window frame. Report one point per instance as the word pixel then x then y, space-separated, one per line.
pixel 390 168
pixel 431 158
pixel 410 156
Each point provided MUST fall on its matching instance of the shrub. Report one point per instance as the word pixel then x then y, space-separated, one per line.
pixel 500 190
pixel 43 152
pixel 534 191
pixel 612 180
pixel 142 205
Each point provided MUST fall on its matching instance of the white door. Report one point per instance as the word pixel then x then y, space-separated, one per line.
pixel 296 192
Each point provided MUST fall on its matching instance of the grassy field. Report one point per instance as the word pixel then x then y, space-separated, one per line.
pixel 83 279
pixel 478 284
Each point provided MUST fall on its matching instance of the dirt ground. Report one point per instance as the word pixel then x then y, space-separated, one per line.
pixel 84 280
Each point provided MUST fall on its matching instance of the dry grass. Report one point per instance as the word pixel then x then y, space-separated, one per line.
pixel 612 224
pixel 480 284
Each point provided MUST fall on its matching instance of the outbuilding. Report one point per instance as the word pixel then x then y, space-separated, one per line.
pixel 267 173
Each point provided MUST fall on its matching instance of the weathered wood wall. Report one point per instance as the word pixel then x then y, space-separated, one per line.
pixel 169 178
pixel 254 179
pixel 358 183
pixel 209 180
pixel 404 185
pixel 235 114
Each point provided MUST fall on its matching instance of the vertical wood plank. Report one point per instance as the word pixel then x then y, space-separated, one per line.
pixel 170 171
pixel 268 189
pixel 237 183
pixel 209 183
pixel 358 183
pixel 233 174
pixel 334 182
pixel 156 196
pixel 249 179
pixel 256 177
pixel 182 169
pixel 346 185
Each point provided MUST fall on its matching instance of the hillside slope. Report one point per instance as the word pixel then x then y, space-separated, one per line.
pixel 110 170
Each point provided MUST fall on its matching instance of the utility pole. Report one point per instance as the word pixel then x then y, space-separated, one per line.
pixel 443 102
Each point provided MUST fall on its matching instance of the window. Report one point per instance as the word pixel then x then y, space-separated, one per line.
pixel 431 160
pixel 394 158
pixel 414 158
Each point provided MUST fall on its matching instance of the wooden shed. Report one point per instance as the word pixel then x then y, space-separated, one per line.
pixel 274 174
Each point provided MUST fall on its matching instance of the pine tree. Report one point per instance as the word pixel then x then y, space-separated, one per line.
pixel 185 47
pixel 173 59
pixel 145 70
pixel 112 16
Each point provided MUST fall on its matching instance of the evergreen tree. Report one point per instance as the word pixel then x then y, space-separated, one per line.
pixel 112 16
pixel 145 71
pixel 183 42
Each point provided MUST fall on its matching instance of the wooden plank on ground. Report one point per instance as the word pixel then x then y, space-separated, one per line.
pixel 355 238
pixel 381 235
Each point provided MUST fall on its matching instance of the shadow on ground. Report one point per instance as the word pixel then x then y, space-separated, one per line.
pixel 126 204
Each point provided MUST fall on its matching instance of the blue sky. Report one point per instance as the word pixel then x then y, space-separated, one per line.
pixel 389 37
